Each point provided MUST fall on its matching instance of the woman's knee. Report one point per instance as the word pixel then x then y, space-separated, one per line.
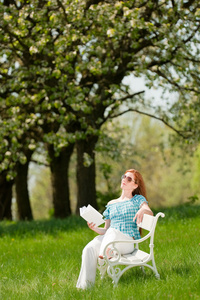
pixel 90 251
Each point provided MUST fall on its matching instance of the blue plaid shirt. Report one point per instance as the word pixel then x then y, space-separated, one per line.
pixel 121 215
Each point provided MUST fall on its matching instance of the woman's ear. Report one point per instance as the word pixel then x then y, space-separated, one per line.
pixel 136 186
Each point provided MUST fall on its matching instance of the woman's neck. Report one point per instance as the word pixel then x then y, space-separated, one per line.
pixel 126 195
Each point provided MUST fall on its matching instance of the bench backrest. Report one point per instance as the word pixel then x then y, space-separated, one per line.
pixel 147 222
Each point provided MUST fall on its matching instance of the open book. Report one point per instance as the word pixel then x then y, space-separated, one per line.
pixel 90 214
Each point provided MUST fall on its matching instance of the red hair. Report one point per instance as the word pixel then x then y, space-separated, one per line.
pixel 140 190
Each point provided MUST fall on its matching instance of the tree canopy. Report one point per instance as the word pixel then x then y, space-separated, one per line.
pixel 62 65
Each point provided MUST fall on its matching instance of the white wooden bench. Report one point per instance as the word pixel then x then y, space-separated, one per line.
pixel 136 258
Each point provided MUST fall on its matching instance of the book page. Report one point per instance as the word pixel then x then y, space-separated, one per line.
pixel 90 214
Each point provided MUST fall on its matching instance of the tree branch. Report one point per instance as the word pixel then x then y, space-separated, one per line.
pixel 39 162
pixel 151 116
pixel 121 100
pixel 130 96
pixel 173 83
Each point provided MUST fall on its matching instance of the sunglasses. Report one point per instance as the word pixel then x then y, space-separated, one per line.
pixel 127 177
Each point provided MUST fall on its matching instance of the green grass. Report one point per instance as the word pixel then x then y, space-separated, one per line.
pixel 41 260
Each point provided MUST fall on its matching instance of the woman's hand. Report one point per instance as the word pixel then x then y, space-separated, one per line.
pixel 145 209
pixel 92 225
pixel 99 230
pixel 138 216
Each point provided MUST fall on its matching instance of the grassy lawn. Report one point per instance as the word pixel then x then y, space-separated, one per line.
pixel 41 260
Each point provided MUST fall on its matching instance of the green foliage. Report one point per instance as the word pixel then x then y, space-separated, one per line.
pixel 196 171
pixel 185 113
pixel 170 175
pixel 193 199
pixel 104 198
pixel 63 64
pixel 41 260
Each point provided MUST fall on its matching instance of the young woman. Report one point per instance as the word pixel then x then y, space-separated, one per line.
pixel 121 218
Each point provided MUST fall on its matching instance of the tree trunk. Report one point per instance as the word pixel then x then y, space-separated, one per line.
pixel 59 166
pixel 22 194
pixel 86 172
pixel 5 197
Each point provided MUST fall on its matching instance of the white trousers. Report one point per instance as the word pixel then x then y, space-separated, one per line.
pixel 95 248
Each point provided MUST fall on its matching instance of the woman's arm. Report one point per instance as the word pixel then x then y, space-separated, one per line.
pixel 144 209
pixel 99 230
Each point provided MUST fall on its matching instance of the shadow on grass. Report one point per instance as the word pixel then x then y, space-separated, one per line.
pixel 32 228
pixel 184 211
pixel 136 274
pixel 75 223
pixel 182 270
pixel 133 275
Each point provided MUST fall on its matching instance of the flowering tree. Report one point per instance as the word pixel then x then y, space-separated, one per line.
pixel 62 69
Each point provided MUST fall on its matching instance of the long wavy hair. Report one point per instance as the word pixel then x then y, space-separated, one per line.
pixel 140 190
